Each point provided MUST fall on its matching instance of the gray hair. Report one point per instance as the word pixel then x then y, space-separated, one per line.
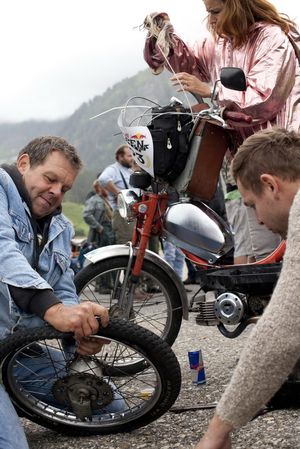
pixel 40 148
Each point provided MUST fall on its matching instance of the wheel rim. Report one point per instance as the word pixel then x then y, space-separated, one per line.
pixel 32 389
pixel 152 311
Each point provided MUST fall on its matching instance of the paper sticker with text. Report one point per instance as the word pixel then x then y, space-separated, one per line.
pixel 140 142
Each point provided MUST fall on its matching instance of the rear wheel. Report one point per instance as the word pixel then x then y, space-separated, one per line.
pixel 53 387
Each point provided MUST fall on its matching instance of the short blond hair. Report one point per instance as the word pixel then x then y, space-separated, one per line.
pixel 274 151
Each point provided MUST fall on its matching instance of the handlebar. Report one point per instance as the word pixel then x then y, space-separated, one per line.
pixel 221 115
pixel 235 116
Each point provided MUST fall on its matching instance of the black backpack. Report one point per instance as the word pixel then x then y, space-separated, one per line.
pixel 170 130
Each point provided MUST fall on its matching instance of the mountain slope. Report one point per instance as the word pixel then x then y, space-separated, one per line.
pixel 96 140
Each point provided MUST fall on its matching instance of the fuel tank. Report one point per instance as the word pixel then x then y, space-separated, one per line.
pixel 197 229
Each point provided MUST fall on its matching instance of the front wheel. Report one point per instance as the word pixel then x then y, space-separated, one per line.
pixel 52 386
pixel 156 301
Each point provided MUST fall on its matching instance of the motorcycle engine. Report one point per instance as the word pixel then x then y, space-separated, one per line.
pixel 227 308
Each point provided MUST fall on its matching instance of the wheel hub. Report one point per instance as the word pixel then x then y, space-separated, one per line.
pixel 83 392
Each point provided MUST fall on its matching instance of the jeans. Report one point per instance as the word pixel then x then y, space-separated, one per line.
pixel 12 435
pixel 175 257
pixel 192 270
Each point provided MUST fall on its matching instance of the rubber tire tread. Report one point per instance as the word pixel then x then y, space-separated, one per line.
pixel 152 346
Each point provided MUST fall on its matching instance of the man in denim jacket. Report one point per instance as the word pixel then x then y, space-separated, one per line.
pixel 36 282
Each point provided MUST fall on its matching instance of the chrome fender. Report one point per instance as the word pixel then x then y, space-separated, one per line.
pixel 107 252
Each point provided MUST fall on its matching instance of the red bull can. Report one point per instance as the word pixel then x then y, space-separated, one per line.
pixel 197 367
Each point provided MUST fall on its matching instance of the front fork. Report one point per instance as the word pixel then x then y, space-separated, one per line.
pixel 125 302
pixel 140 243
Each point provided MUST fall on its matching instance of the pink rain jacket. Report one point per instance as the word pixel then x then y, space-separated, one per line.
pixel 271 67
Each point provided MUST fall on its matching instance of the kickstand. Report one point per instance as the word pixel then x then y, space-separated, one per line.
pixel 188 408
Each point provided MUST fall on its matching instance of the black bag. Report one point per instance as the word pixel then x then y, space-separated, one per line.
pixel 170 129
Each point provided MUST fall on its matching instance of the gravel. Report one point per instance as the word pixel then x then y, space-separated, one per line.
pixel 278 429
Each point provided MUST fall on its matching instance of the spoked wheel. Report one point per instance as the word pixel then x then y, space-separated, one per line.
pixel 156 302
pixel 50 385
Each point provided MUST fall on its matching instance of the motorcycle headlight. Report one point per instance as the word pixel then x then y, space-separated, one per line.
pixel 126 198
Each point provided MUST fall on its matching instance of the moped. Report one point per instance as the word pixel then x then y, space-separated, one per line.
pixel 230 296
pixel 135 377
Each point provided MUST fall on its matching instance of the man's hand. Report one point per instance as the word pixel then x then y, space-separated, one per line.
pixel 90 345
pixel 217 435
pixel 80 319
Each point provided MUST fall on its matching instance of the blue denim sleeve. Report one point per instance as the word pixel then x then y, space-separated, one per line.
pixel 64 287
pixel 16 249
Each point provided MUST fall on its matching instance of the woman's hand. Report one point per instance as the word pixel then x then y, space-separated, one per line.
pixel 217 435
pixel 191 83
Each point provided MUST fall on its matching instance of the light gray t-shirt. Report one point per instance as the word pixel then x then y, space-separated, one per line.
pixel 114 173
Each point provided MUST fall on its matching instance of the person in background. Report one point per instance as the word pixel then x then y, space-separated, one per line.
pixel 267 171
pixel 175 257
pixel 36 280
pixel 253 36
pixel 115 178
pixel 191 273
pixel 238 215
pixel 97 213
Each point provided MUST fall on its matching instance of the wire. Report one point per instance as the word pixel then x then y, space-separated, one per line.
pixel 175 74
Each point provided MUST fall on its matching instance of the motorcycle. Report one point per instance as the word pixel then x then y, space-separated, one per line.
pixel 230 296
pixel 135 377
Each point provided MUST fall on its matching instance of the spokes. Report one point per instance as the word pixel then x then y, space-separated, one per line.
pixel 151 305
pixel 50 377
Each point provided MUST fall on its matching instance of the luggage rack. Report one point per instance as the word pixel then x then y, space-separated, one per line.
pixel 248 279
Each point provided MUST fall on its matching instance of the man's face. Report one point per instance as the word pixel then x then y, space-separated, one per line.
pixel 271 208
pixel 127 159
pixel 48 182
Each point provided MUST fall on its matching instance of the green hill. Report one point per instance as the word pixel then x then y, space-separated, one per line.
pixel 96 139
pixel 74 213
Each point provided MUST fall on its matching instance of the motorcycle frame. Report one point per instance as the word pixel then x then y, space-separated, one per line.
pixel 150 209
pixel 150 224
pixel 111 251
pixel 147 224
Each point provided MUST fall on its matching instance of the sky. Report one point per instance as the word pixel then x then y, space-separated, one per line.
pixel 57 54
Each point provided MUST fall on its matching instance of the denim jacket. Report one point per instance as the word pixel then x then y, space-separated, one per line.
pixel 17 257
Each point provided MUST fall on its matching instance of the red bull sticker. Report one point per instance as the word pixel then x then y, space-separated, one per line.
pixel 140 142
